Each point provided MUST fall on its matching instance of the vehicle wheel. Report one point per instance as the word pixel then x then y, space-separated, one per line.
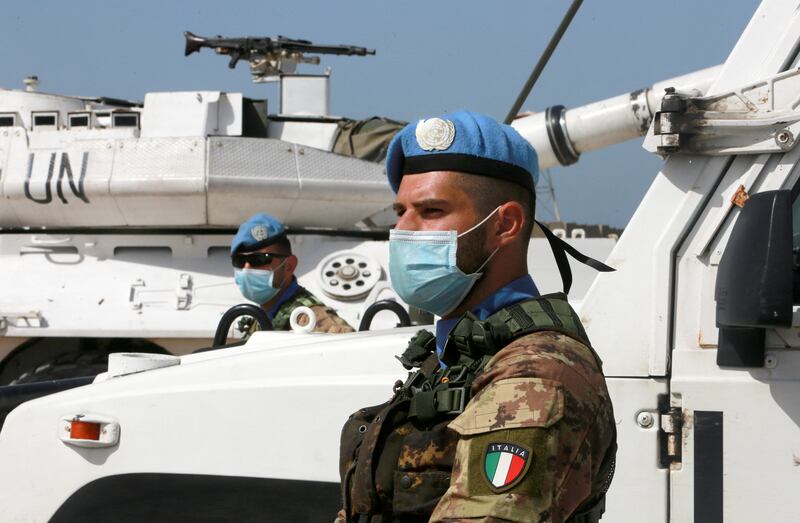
pixel 58 358
pixel 72 365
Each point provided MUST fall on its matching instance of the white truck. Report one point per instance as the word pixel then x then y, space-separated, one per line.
pixel 697 328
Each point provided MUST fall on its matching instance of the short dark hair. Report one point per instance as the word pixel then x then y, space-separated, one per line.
pixel 488 193
pixel 284 244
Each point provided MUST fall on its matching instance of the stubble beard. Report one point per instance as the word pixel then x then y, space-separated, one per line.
pixel 471 253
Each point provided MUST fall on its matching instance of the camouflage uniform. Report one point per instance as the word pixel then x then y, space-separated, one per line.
pixel 544 392
pixel 327 319
pixel 542 397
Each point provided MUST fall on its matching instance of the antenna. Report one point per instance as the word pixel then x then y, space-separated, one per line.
pixel 547 187
pixel 551 46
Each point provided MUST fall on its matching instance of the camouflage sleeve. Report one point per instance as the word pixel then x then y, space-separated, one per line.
pixel 328 321
pixel 525 449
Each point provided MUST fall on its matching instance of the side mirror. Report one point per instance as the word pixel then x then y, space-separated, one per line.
pixel 754 280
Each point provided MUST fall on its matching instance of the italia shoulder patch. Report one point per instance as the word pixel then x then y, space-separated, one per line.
pixel 505 464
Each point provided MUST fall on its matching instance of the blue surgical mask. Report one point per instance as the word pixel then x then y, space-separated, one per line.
pixel 423 268
pixel 256 284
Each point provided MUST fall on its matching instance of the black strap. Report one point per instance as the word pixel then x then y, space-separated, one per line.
pixel 419 350
pixel 592 514
pixel 561 249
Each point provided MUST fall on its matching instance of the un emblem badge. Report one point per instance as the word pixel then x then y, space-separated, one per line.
pixel 435 134
pixel 259 232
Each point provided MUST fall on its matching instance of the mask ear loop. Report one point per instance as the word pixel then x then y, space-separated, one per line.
pixel 479 223
pixel 475 227
pixel 279 266
pixel 487 260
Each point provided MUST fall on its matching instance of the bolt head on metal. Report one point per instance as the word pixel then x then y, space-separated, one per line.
pixel 348 272
pixel 784 139
pixel 645 420
pixel 771 361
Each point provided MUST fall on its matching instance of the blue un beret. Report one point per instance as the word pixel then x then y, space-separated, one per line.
pixel 466 142
pixel 257 232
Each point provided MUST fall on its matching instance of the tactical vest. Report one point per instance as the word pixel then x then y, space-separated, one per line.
pixel 302 298
pixel 389 472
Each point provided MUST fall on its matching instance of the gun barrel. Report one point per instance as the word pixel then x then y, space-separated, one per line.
pixel 266 45
pixel 348 50
pixel 193 43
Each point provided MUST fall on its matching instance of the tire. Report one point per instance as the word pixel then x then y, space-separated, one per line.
pixel 46 359
pixel 71 365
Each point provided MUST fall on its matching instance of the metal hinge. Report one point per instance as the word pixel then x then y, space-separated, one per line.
pixel 758 118
pixel 670 432
pixel 21 320
pixel 183 293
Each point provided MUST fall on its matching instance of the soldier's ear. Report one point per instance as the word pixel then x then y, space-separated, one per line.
pixel 291 264
pixel 509 224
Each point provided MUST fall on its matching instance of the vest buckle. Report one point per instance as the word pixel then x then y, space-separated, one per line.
pixel 451 401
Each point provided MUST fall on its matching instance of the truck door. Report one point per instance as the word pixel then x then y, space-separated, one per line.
pixel 731 431
pixel 700 442
pixel 732 426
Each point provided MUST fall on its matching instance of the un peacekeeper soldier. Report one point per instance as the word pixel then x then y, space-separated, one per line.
pixel 505 415
pixel 264 271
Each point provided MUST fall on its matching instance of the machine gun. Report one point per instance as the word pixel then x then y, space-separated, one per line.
pixel 269 57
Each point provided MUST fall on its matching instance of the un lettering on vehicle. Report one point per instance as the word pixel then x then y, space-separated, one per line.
pixel 50 174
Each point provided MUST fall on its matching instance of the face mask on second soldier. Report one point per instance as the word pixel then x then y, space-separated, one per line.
pixel 257 284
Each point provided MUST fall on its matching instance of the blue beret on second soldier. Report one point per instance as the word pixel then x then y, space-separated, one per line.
pixel 466 142
pixel 257 232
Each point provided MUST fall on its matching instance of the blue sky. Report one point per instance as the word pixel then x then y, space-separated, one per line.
pixel 432 57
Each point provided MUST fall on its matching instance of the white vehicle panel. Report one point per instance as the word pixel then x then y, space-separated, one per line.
pixel 290 392
pixel 192 114
pixel 760 450
pixel 157 181
pixel 640 486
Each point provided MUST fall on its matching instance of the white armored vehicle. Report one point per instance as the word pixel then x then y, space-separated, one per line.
pixel 116 217
pixel 697 328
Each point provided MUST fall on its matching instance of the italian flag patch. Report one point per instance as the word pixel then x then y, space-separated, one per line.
pixel 504 464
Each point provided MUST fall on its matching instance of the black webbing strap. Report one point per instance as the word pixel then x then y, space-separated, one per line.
pixel 594 512
pixel 561 249
pixel 591 515
pixel 419 350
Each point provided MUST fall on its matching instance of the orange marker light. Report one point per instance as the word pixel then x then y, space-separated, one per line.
pixel 84 430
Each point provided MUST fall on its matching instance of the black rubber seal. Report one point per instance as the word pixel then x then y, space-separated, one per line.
pixel 189 498
pixel 559 142
pixel 466 163
pixel 708 470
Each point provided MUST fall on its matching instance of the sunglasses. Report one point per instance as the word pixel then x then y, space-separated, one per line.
pixel 256 259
